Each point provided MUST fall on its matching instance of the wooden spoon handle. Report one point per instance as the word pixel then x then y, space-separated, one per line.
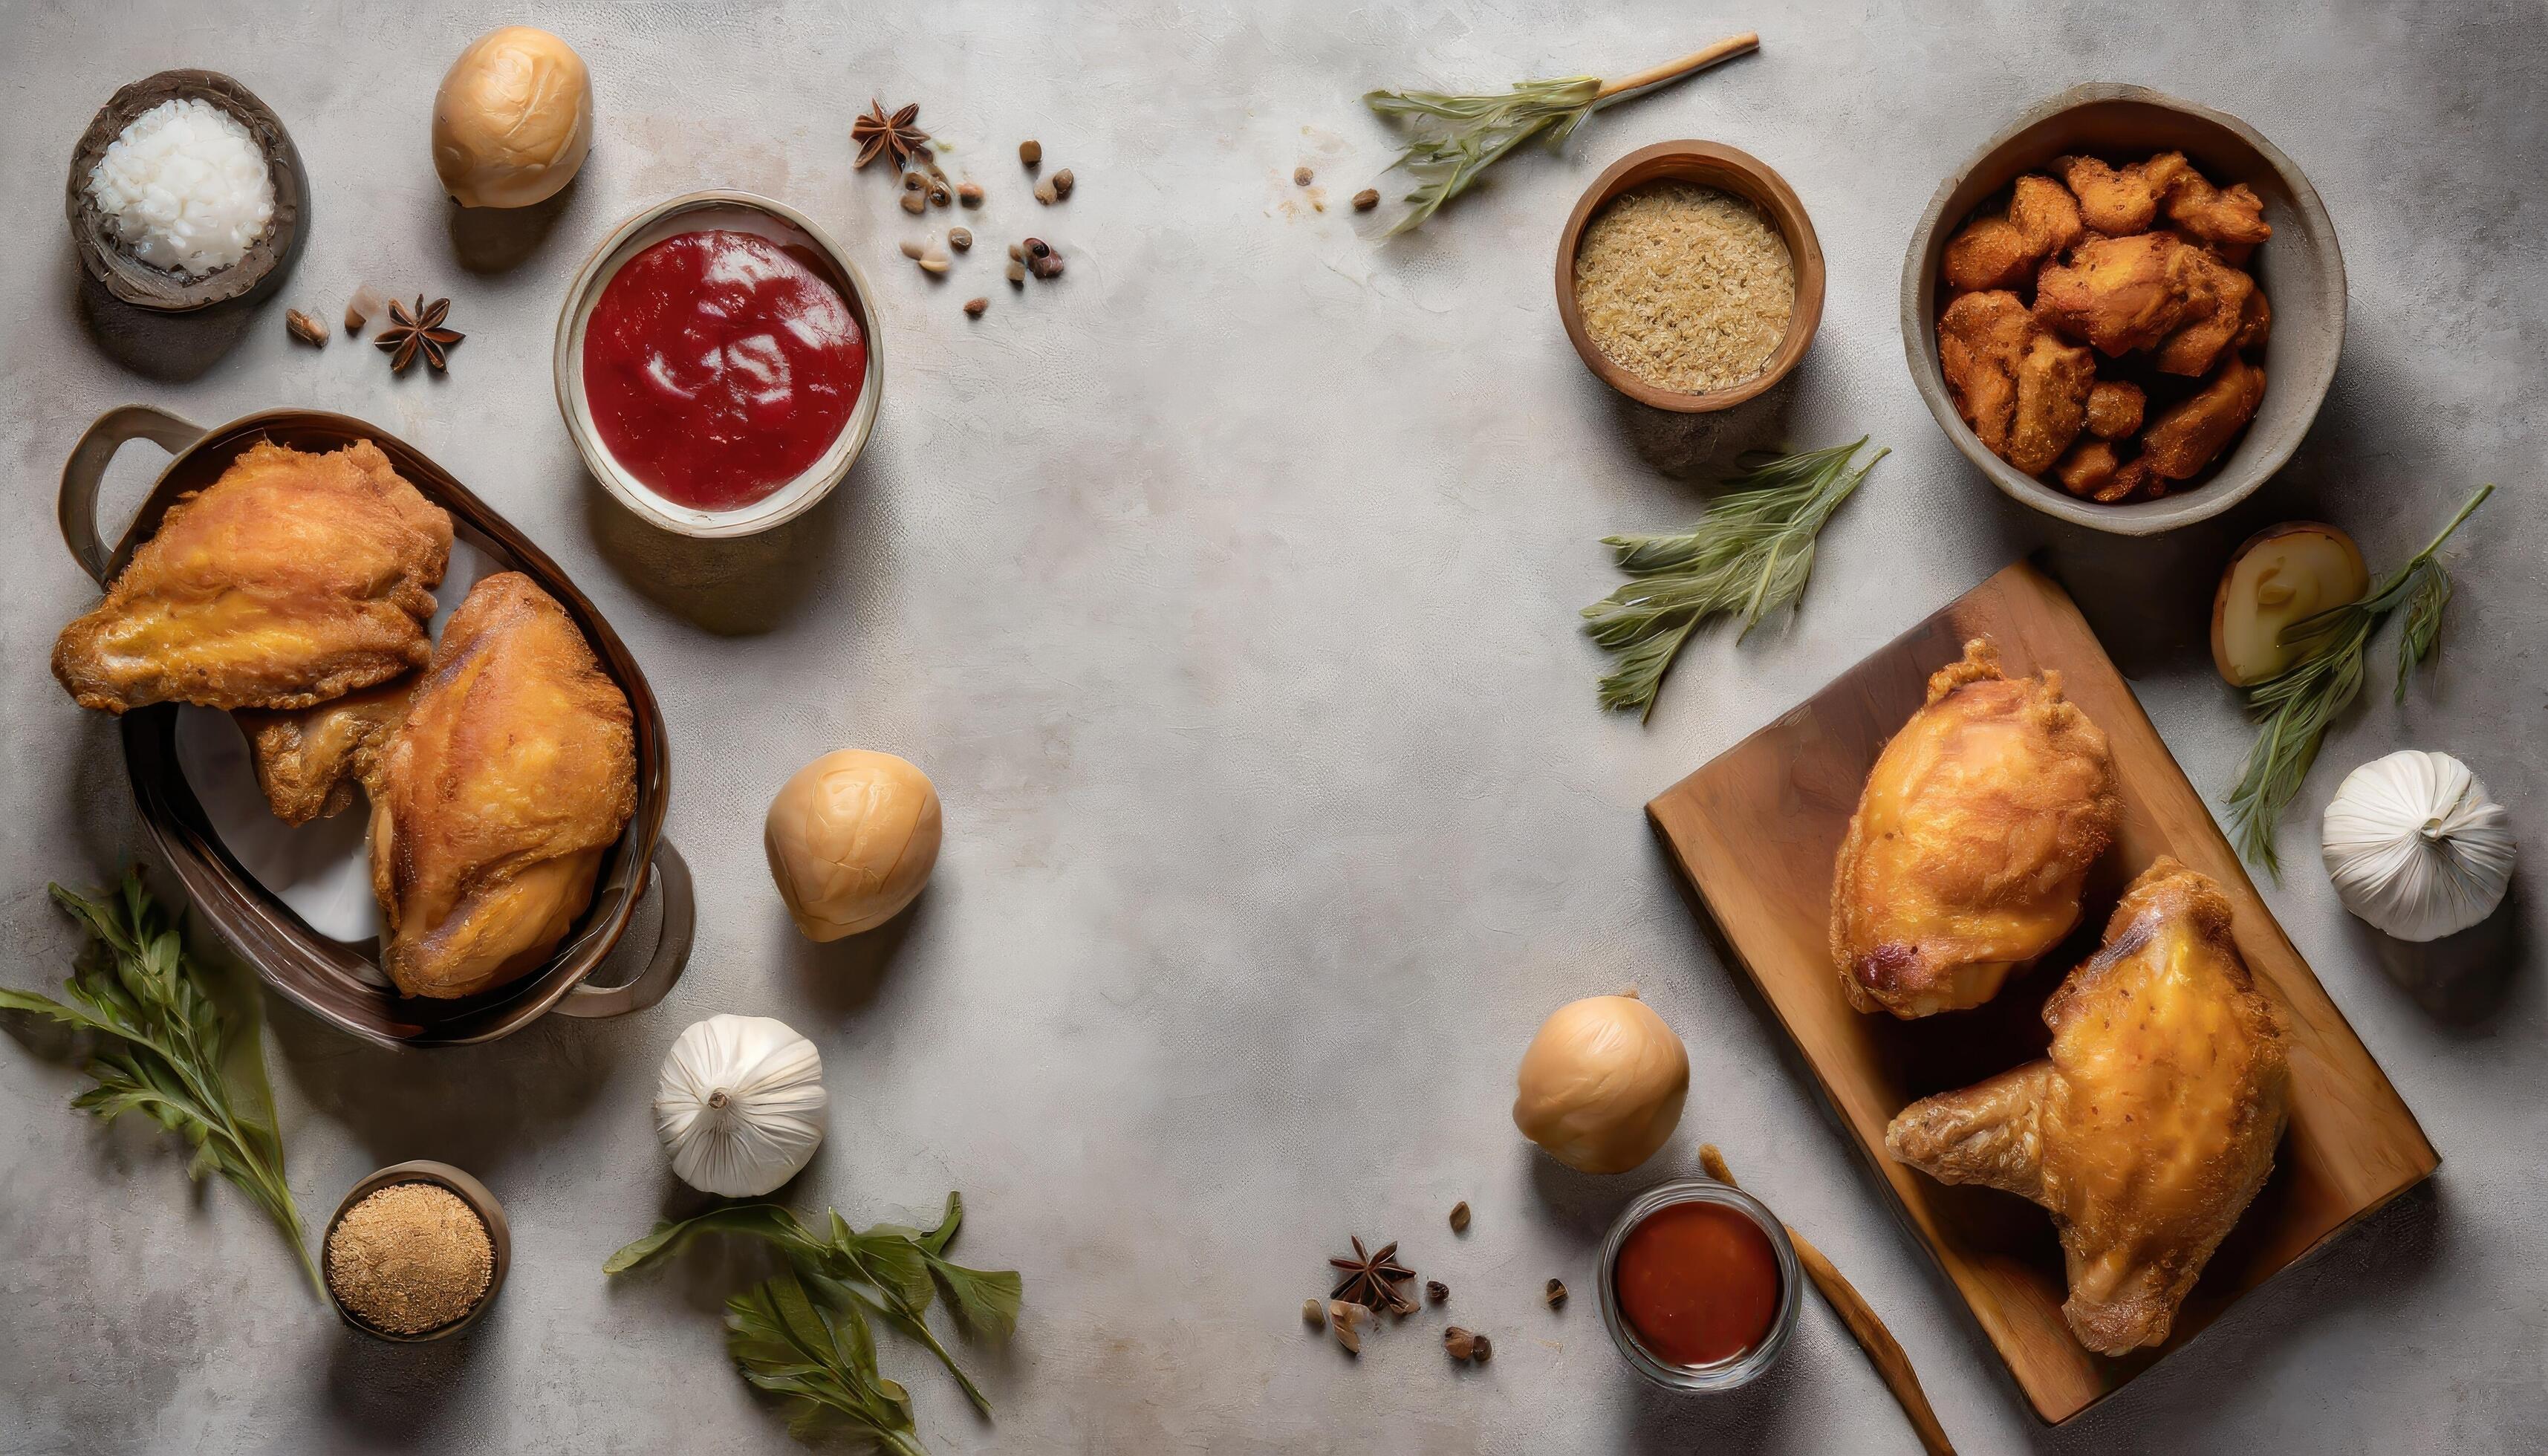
pixel 1697 60
pixel 1883 1351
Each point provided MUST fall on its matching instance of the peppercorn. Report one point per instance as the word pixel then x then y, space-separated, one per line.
pixel 1367 199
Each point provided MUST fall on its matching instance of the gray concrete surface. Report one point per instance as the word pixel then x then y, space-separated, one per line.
pixel 1226 590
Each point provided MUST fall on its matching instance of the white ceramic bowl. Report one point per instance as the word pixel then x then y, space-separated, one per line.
pixel 690 213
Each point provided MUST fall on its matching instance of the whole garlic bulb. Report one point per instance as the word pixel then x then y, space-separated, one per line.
pixel 1602 1084
pixel 741 1105
pixel 2416 846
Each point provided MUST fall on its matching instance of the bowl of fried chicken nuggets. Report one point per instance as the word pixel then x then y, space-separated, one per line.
pixel 2126 309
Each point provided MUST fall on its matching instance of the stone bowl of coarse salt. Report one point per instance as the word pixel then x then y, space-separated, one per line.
pixel 186 192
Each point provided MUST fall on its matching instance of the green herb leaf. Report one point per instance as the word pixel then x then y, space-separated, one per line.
pixel 167 1048
pixel 1750 555
pixel 772 1221
pixel 782 1341
pixel 1457 137
pixel 2297 706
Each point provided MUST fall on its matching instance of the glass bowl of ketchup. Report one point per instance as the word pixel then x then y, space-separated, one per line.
pixel 1700 1286
pixel 718 365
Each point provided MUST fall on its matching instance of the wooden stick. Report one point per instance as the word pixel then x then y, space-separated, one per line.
pixel 1671 71
pixel 1892 1366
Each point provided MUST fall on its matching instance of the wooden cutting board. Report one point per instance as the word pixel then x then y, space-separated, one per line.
pixel 1756 832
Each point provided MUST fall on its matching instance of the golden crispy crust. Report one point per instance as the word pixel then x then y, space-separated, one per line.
pixel 309 760
pixel 1971 840
pixel 291 579
pixel 515 770
pixel 2151 1124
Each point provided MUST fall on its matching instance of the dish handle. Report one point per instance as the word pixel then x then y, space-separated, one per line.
pixel 85 471
pixel 672 946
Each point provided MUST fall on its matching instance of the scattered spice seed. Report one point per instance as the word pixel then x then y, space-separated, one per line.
pixel 1017 274
pixel 305 329
pixel 1460 1217
pixel 1345 1320
pixel 960 238
pixel 1047 193
pixel 1436 1291
pixel 969 194
pixel 940 195
pixel 1062 182
pixel 1312 1313
pixel 1486 1349
pixel 410 1258
pixel 1030 153
pixel 1556 1293
pixel 1459 1342
pixel 1367 199
pixel 973 306
pixel 364 307
pixel 1301 176
pixel 1017 254
pixel 914 203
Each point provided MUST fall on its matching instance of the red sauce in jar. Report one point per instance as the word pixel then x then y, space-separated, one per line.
pixel 1698 1282
pixel 720 365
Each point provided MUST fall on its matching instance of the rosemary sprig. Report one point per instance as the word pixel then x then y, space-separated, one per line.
pixel 889 1271
pixel 2296 704
pixel 1457 136
pixel 165 1049
pixel 1750 554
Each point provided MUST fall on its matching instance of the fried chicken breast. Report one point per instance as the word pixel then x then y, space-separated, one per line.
pixel 515 767
pixel 2022 389
pixel 2042 219
pixel 2149 1128
pixel 2190 433
pixel 2117 201
pixel 291 579
pixel 1972 840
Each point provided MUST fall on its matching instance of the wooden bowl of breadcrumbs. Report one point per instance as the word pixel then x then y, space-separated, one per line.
pixel 416 1252
pixel 1688 277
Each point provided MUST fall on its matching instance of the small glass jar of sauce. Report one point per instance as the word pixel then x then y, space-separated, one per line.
pixel 1700 1286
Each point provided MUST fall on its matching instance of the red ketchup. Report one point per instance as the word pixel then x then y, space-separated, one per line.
pixel 1698 1283
pixel 720 365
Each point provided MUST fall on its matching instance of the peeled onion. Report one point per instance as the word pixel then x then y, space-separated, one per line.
pixel 2281 576
pixel 1602 1084
pixel 513 119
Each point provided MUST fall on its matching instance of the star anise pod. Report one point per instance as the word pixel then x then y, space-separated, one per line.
pixel 877 134
pixel 417 331
pixel 1371 1280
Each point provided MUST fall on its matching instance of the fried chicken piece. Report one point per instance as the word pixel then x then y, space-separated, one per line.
pixel 1972 840
pixel 2255 321
pixel 291 579
pixel 2023 391
pixel 2232 217
pixel 309 760
pixel 2088 469
pixel 2114 408
pixel 2120 294
pixel 2187 434
pixel 2117 201
pixel 515 770
pixel 2001 252
pixel 2216 305
pixel 2135 481
pixel 2151 1124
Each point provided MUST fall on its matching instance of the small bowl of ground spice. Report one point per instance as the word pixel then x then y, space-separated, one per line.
pixel 1689 277
pixel 416 1252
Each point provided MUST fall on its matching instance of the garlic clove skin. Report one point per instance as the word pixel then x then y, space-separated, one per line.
pixel 2416 845
pixel 741 1105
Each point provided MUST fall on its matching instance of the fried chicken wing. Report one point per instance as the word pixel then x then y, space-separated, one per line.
pixel 515 770
pixel 2230 216
pixel 291 579
pixel 2119 293
pixel 309 760
pixel 2117 201
pixel 2151 1124
pixel 2215 310
pixel 2190 433
pixel 1972 840
pixel 2114 408
pixel 2042 219
pixel 2024 391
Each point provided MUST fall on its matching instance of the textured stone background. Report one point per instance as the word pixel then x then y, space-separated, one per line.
pixel 1226 590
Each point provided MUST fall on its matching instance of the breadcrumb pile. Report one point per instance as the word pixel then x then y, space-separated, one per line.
pixel 1685 287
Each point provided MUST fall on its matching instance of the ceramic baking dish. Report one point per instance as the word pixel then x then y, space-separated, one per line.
pixel 340 981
